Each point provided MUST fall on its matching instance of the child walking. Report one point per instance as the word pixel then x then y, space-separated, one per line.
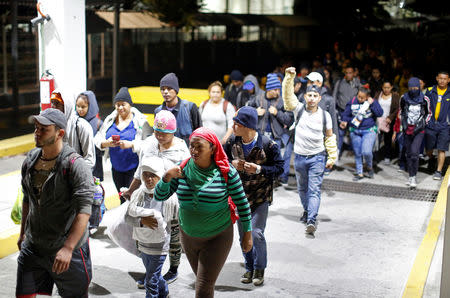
pixel 151 221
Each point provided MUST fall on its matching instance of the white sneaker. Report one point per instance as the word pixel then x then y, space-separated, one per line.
pixel 387 161
pixel 412 182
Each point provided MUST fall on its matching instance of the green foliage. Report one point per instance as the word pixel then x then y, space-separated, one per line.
pixel 177 13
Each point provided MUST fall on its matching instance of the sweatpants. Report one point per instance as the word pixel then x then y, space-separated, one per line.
pixel 413 144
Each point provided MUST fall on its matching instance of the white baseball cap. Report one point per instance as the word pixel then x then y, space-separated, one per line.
pixel 315 76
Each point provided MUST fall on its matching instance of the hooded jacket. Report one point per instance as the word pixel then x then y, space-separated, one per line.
pixel 143 130
pixel 79 134
pixel 243 96
pixel 344 91
pixel 91 115
pixel 406 112
pixel 68 191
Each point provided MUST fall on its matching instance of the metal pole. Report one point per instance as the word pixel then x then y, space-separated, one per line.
pixel 5 58
pixel 89 44
pixel 115 73
pixel 227 5
pixel 102 53
pixel 14 58
pixel 445 277
pixel 248 27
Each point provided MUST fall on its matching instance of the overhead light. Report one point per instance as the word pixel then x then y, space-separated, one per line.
pixel 402 3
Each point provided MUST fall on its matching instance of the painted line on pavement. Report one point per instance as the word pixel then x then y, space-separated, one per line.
pixel 10 174
pixel 8 238
pixel 419 272
pixel 17 145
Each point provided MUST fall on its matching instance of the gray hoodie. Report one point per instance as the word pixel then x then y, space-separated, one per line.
pixel 242 99
pixel 79 134
pixel 68 191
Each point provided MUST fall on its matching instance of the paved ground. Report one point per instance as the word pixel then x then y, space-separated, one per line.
pixel 364 246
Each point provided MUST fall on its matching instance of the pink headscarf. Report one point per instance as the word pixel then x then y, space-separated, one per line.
pixel 220 156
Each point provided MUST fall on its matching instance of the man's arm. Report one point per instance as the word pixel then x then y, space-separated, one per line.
pixel 196 120
pixel 289 98
pixel 25 210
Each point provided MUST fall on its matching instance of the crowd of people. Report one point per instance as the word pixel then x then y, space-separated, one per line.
pixel 198 170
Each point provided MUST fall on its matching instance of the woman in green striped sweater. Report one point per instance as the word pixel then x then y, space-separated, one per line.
pixel 203 184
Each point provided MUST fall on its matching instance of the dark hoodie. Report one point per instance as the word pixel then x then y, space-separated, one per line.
pixel 92 112
pixel 415 109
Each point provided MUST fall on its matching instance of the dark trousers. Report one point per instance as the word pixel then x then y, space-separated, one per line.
pixel 387 150
pixel 207 257
pixel 412 144
pixel 122 179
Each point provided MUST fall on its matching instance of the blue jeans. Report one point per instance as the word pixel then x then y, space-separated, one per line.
pixel 309 173
pixel 362 142
pixel 341 139
pixel 256 258
pixel 155 285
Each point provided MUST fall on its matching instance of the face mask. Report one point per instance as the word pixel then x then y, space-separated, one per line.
pixel 414 93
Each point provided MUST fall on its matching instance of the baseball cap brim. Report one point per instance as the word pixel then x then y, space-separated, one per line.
pixel 41 120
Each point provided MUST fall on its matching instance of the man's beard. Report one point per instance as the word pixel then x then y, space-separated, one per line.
pixel 49 141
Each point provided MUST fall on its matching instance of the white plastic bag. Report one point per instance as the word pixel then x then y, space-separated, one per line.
pixel 118 230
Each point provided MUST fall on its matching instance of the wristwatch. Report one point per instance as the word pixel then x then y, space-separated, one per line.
pixel 258 169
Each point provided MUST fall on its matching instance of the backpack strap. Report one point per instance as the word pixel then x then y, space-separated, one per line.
pixel 225 106
pixel 203 104
pixel 324 122
pixel 78 137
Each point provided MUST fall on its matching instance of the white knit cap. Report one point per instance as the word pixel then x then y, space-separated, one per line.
pixel 154 165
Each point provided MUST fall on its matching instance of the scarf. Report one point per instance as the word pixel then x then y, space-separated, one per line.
pixel 220 158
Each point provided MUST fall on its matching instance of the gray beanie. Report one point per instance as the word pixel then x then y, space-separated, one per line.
pixel 170 80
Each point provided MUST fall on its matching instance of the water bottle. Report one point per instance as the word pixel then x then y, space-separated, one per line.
pixel 98 194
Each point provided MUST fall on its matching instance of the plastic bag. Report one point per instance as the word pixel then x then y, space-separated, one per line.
pixel 16 212
pixel 118 230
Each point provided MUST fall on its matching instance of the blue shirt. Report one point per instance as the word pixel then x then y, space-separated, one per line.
pixel 248 147
pixel 123 160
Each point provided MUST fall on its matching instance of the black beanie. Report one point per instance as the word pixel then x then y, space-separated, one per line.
pixel 236 75
pixel 170 80
pixel 123 95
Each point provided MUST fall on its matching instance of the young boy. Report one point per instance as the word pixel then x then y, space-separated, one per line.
pixel 151 225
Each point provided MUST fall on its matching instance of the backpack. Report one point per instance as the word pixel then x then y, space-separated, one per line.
pixel 299 115
pixel 225 105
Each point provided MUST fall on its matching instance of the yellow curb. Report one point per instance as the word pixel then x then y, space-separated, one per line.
pixel 10 174
pixel 8 240
pixel 419 272
pixel 17 145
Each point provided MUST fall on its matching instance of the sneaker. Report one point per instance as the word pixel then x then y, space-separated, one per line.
pixel 140 284
pixel 326 172
pixel 284 182
pixel 310 227
pixel 370 173
pixel 357 177
pixel 247 277
pixel 304 217
pixel 387 161
pixel 412 182
pixel 170 276
pixel 401 169
pixel 437 175
pixel 258 277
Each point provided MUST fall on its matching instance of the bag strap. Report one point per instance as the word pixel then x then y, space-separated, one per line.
pixel 78 137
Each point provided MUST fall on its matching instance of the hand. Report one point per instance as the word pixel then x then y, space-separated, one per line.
pixel 110 143
pixel 174 172
pixel 329 165
pixel 394 135
pixel 290 70
pixel 260 111
pixel 126 195
pixel 149 221
pixel 273 110
pixel 20 240
pixel 250 167
pixel 124 144
pixel 247 242
pixel 343 124
pixel 238 164
pixel 370 100
pixel 62 260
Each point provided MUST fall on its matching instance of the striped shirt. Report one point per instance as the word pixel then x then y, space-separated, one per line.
pixel 205 212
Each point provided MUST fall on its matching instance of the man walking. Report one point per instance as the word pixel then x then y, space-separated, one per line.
pixel 186 112
pixel 313 136
pixel 58 190
pixel 258 161
pixel 437 131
